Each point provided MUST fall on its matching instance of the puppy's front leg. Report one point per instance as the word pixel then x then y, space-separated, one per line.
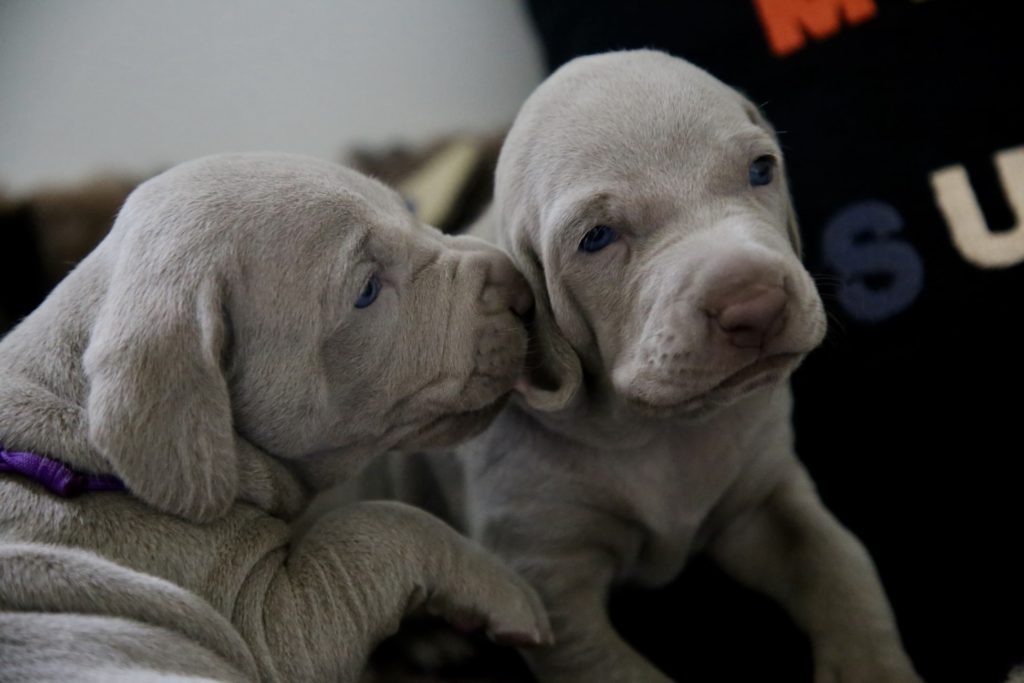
pixel 791 548
pixel 571 553
pixel 314 613
pixel 587 646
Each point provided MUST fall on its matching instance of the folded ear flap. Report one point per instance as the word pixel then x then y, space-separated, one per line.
pixel 553 371
pixel 158 405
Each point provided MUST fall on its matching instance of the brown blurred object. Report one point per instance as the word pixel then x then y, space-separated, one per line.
pixel 43 235
pixel 448 182
pixel 70 221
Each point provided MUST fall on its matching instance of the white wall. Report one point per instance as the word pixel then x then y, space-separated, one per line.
pixel 135 85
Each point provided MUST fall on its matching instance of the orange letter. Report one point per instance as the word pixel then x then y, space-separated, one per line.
pixel 786 22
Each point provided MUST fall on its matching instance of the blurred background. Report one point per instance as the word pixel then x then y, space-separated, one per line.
pixel 131 86
pixel 901 122
pixel 102 94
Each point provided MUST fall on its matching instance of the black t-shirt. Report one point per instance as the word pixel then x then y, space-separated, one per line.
pixel 903 128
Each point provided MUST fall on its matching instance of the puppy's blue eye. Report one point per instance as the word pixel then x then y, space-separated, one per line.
pixel 597 238
pixel 762 170
pixel 369 293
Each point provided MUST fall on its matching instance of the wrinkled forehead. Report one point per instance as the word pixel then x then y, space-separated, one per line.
pixel 294 207
pixel 622 117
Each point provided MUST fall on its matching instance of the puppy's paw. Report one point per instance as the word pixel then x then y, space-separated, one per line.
pixel 434 650
pixel 482 593
pixel 427 645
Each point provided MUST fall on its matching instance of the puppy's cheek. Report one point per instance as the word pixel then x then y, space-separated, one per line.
pixel 809 323
pixel 628 381
pixel 816 312
pixel 648 382
pixel 818 323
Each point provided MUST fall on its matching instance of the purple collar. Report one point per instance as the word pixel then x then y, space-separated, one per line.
pixel 56 476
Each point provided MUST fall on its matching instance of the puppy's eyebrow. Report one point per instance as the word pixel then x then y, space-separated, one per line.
pixel 576 210
pixel 359 246
pixel 350 256
pixel 751 138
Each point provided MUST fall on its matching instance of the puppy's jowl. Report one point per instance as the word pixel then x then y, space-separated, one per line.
pixel 253 327
pixel 646 202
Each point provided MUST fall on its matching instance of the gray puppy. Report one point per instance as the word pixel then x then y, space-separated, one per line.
pixel 254 326
pixel 647 205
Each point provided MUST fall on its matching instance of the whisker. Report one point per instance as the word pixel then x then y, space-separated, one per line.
pixel 835 322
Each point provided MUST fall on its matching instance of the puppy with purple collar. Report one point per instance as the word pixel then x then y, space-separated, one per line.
pixel 254 327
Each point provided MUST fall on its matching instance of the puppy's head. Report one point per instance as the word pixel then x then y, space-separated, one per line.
pixel 299 305
pixel 647 203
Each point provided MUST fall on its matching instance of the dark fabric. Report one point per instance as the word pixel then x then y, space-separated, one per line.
pixel 24 283
pixel 909 417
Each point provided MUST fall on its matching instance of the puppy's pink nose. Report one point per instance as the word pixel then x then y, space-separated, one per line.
pixel 505 289
pixel 753 315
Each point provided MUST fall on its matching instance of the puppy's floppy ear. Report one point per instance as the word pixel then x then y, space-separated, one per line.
pixel 158 405
pixel 553 372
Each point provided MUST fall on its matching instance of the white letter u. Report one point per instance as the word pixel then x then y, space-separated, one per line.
pixel 956 200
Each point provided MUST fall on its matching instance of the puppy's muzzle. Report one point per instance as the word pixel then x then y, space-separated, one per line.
pixel 505 289
pixel 742 320
pixel 503 302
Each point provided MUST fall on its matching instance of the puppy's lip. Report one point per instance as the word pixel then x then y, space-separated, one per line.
pixel 765 365
pixel 759 373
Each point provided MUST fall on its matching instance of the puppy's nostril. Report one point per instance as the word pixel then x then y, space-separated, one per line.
pixel 522 302
pixel 505 289
pixel 753 316
pixel 497 298
pixel 525 314
pixel 492 298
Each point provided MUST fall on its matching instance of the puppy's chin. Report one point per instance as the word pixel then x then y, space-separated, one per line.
pixel 452 428
pixel 653 396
